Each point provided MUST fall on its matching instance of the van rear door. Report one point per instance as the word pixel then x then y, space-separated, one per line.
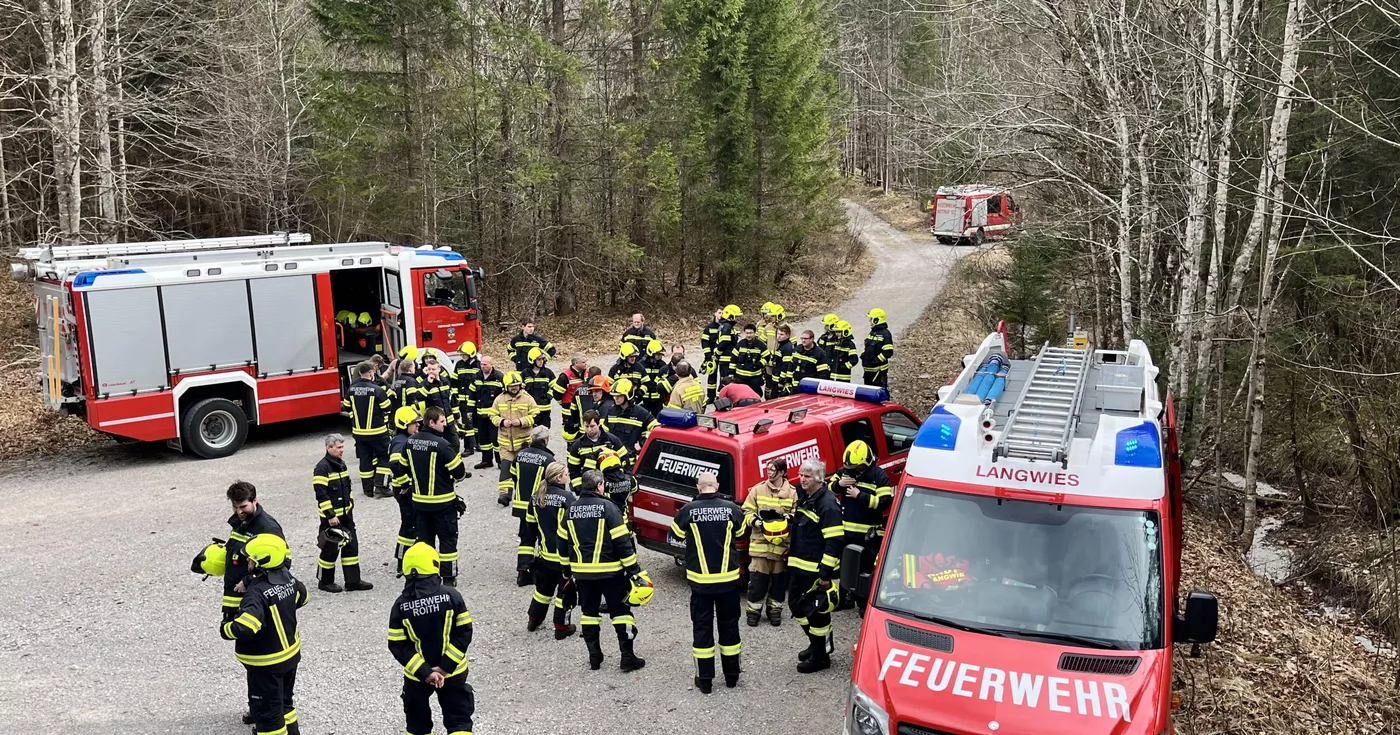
pixel 666 476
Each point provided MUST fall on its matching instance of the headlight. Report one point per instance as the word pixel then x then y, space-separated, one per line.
pixel 864 716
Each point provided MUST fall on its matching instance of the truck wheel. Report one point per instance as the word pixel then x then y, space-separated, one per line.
pixel 214 427
pixel 978 238
pixel 945 240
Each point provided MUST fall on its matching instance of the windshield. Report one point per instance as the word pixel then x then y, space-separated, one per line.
pixel 1064 573
pixel 446 288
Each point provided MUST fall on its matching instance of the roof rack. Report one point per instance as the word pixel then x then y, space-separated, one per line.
pixel 112 250
pixel 1042 423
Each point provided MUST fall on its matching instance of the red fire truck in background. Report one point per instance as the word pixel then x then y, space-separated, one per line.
pixel 969 214
pixel 191 341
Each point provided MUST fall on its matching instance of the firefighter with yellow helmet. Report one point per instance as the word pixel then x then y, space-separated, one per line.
pixel 627 421
pixel 658 377
pixel 843 354
pixel 879 350
pixel 407 420
pixel 430 629
pixel 539 383
pixel 465 373
pixel 865 494
pixel 769 507
pixel 725 342
pixel 265 635
pixel 711 526
pixel 513 415
pixel 628 365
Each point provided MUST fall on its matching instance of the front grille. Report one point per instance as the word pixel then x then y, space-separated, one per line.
pixel 941 642
pixel 1102 665
pixel 908 729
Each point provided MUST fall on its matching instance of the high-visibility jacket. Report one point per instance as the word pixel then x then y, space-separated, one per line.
pixel 398 463
pixel 368 405
pixel 811 363
pixel 843 358
pixel 638 338
pixel 567 386
pixel 619 485
pixel 879 349
pixel 518 407
pixel 630 424
pixel 633 371
pixel 527 475
pixel 331 481
pixel 236 566
pixel 405 390
pixel 781 367
pixel 763 497
pixel 430 627
pixel 658 377
pixel 549 519
pixel 433 466
pixel 522 343
pixel 767 333
pixel 867 509
pixel 487 387
pixel 724 348
pixel 583 453
pixel 827 340
pixel 539 384
pixel 597 539
pixel 709 338
pixel 583 403
pixel 710 525
pixel 748 358
pixel 442 394
pixel 689 393
pixel 464 376
pixel 265 629
pixel 817 534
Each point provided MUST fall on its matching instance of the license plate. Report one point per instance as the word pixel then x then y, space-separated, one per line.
pixel 675 542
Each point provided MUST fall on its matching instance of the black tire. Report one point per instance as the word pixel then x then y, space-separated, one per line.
pixel 945 240
pixel 213 428
pixel 978 238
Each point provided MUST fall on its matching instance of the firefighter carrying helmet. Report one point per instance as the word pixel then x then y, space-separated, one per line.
pixel 843 328
pixel 642 590
pixel 731 311
pixel 626 350
pixel 268 550
pixel 211 560
pixel 623 387
pixel 775 527
pixel 818 600
pixel 406 415
pixel 830 320
pixel 332 537
pixel 535 354
pixel 877 316
pixel 421 559
pixel 568 593
pixel 513 378
pixel 655 347
pixel 857 454
pixel 600 382
pixel 608 460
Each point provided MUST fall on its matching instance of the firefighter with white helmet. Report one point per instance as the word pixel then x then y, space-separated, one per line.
pixel 769 506
pixel 335 503
pixel 879 350
pixel 267 641
pixel 513 415
pixel 430 629
pixel 711 526
pixel 603 561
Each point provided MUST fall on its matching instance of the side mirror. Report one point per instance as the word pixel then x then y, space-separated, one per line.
pixel 1198 625
pixel 723 404
pixel 850 567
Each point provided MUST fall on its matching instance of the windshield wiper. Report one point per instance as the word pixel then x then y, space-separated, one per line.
pixel 1070 638
pixel 938 620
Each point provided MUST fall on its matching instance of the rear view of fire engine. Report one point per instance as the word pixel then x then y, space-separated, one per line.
pixel 193 341
pixel 970 214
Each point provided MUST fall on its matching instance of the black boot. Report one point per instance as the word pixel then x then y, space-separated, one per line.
pixel 775 616
pixel 731 680
pixel 248 718
pixel 567 630
pixel 752 618
pixel 503 499
pixel 595 652
pixel 450 581
pixel 358 585
pixel 368 487
pixel 630 660
pixel 805 653
pixel 485 461
pixel 533 625
pixel 327 583
pixel 523 578
pixel 817 656
pixel 704 685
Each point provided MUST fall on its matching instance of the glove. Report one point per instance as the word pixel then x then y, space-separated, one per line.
pixel 459 505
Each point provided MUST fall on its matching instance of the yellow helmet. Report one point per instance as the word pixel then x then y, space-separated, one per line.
pixel 406 415
pixel 409 352
pixel 858 454
pixel 626 350
pixel 642 590
pixel 468 349
pixel 267 549
pixel 877 316
pixel 344 316
pixel 776 311
pixel 655 347
pixel 421 559
pixel 512 378
pixel 623 387
pixel 732 311
pixel 775 526
pixel 843 327
pixel 365 319
pixel 535 354
pixel 211 560
pixel 767 308
pixel 830 320
pixel 608 460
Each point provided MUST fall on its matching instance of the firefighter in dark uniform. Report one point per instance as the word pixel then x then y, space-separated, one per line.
pixel 628 365
pixel 546 512
pixel 710 525
pixel 539 383
pixel 780 364
pixel 709 337
pixel 865 494
pixel 639 334
pixel 602 560
pixel 843 354
pixel 659 377
pixel 566 391
pixel 368 405
pixel 585 452
pixel 618 484
pixel 829 337
pixel 265 635
pixel 439 391
pixel 430 629
pixel 406 387
pixel 527 477
pixel 407 420
pixel 465 373
pixel 809 361
pixel 748 359
pixel 879 350
pixel 629 422
pixel 488 386
pixel 725 342
pixel 524 341
pixel 335 504
pixel 596 398
pixel 814 559
pixel 433 468
pixel 249 519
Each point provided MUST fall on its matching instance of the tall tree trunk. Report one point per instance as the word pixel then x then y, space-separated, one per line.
pixel 72 119
pixel 102 124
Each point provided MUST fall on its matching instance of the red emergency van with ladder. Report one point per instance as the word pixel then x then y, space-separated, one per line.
pixel 191 341
pixel 1028 580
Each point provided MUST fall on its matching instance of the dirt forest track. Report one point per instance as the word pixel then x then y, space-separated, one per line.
pixel 104 630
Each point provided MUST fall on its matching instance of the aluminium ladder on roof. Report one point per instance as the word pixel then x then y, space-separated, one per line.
pixel 113 250
pixel 1043 421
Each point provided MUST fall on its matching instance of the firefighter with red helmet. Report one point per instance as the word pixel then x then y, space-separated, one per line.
pixel 566 391
pixel 539 382
pixel 879 350
pixel 369 405
pixel 629 422
pixel 546 510
pixel 337 535
pixel 430 629
pixel 603 561
pixel 585 452
pixel 597 397
pixel 711 526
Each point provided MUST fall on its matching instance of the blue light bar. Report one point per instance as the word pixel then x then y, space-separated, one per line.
pixel 841 389
pixel 940 430
pixel 680 418
pixel 1138 446
pixel 87 278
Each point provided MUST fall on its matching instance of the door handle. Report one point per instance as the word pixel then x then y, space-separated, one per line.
pixel 427 335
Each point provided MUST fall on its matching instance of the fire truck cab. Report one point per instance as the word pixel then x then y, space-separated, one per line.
pixel 969 214
pixel 736 445
pixel 192 341
pixel 1028 579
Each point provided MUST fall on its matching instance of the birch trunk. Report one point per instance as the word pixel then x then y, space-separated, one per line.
pixel 72 121
pixel 102 125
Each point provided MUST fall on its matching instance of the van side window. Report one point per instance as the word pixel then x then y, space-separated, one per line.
pixel 1010 204
pixel 857 430
pixel 900 431
pixel 994 204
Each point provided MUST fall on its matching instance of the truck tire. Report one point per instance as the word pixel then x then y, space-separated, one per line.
pixel 978 238
pixel 214 427
pixel 945 240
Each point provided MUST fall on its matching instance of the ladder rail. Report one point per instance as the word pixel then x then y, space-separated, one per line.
pixel 114 250
pixel 1047 411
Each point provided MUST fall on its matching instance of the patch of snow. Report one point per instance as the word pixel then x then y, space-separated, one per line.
pixel 1261 488
pixel 1267 558
pixel 1366 644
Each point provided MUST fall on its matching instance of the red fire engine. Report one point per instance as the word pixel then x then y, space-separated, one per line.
pixel 968 214
pixel 1029 577
pixel 191 341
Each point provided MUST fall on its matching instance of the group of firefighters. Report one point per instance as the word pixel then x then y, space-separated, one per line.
pixel 412 422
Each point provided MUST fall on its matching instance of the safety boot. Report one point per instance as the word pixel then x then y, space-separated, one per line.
pixel 450 581
pixel 731 680
pixel 817 658
pixel 485 461
pixel 564 631
pixel 247 718
pixel 751 617
pixel 503 499
pixel 630 660
pixel 704 685
pixel 368 487
pixel 327 582
pixel 595 653
pixel 775 616
pixel 533 625
pixel 359 586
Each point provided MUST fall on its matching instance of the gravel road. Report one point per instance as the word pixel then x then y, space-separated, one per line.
pixel 104 630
